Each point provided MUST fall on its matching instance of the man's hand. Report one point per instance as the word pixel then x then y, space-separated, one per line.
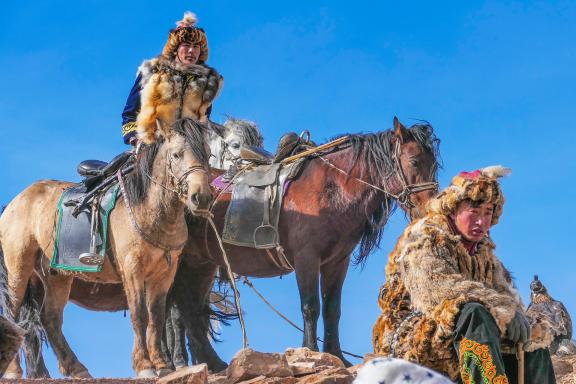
pixel 518 330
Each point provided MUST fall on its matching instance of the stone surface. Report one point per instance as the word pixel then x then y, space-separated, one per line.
pixel 196 374
pixel 248 364
pixel 329 376
pixel 304 361
pixel 565 369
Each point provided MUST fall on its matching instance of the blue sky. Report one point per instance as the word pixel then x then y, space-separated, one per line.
pixel 495 78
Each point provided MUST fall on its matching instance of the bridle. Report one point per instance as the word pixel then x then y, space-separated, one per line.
pixel 403 197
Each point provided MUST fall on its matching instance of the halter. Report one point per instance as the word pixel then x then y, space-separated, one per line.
pixel 403 197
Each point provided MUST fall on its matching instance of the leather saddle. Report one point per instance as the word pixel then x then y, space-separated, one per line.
pixel 96 171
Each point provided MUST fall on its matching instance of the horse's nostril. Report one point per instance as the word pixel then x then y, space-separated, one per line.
pixel 195 199
pixel 205 199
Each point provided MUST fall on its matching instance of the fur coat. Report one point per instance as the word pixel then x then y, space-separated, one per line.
pixel 430 275
pixel 171 91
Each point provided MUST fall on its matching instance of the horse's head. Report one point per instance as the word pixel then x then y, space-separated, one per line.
pixel 417 156
pixel 187 153
pixel 238 133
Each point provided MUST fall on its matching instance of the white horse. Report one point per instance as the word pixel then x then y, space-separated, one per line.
pixel 226 140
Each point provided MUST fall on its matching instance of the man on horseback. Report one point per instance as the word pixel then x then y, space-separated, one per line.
pixel 173 85
pixel 448 302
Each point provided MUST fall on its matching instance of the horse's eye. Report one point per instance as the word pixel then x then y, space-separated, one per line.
pixel 235 145
pixel 413 163
pixel 177 155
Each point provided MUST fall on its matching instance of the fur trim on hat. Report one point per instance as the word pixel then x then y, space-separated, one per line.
pixel 186 31
pixel 496 171
pixel 480 186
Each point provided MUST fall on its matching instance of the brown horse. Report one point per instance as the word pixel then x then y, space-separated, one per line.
pixel 341 201
pixel 145 233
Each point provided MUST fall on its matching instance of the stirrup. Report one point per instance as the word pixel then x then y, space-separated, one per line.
pixel 90 258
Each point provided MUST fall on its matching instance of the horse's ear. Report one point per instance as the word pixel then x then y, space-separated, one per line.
pixel 399 130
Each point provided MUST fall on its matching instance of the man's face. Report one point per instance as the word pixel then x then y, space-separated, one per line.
pixel 188 53
pixel 472 220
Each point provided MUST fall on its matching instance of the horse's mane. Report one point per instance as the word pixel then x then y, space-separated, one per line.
pixel 373 153
pixel 250 132
pixel 138 181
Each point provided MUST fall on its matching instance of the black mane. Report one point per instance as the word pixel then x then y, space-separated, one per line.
pixel 138 181
pixel 374 153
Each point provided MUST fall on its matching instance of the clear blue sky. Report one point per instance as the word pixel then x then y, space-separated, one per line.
pixel 496 79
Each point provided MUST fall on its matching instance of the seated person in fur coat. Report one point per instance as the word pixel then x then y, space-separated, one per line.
pixel 177 84
pixel 448 302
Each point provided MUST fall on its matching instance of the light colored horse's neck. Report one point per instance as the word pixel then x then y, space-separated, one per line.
pixel 162 212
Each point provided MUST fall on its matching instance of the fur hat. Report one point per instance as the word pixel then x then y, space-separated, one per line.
pixel 479 186
pixel 186 31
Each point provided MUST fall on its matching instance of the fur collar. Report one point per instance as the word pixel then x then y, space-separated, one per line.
pixel 175 68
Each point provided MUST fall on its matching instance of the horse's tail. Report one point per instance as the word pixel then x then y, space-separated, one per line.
pixel 27 327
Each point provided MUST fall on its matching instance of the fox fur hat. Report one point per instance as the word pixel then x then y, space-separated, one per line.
pixel 479 186
pixel 186 31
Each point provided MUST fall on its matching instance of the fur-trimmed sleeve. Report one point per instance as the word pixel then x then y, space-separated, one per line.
pixel 429 268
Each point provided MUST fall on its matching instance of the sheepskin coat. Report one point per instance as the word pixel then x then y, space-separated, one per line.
pixel 171 91
pixel 430 275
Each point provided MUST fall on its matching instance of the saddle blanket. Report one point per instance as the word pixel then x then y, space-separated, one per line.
pixel 254 211
pixel 73 234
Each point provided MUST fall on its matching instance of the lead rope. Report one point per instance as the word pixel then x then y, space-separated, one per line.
pixel 232 282
pixel 249 283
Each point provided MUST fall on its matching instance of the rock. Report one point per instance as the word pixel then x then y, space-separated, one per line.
pixel 196 374
pixel 219 378
pixel 270 380
pixel 329 376
pixel 304 361
pixel 248 364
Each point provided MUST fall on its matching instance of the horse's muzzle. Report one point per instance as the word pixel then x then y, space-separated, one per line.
pixel 201 200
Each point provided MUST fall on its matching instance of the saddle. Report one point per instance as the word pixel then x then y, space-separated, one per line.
pixel 258 189
pixel 83 213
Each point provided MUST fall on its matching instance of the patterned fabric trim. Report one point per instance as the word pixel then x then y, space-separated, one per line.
pixel 128 127
pixel 476 354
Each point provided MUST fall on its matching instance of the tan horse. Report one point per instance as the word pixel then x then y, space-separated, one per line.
pixel 171 175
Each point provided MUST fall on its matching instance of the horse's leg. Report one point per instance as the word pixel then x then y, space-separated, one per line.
pixel 57 293
pixel 135 295
pixel 168 338
pixel 179 354
pixel 35 366
pixel 19 258
pixel 307 276
pixel 156 292
pixel 191 291
pixel 333 275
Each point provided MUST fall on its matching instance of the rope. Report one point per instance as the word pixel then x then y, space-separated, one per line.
pixel 249 283
pixel 232 282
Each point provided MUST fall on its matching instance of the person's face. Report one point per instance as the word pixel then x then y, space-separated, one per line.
pixel 188 53
pixel 473 221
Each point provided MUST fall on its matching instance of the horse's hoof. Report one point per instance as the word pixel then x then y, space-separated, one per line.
pixel 147 373
pixel 164 371
pixel 12 375
pixel 82 375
